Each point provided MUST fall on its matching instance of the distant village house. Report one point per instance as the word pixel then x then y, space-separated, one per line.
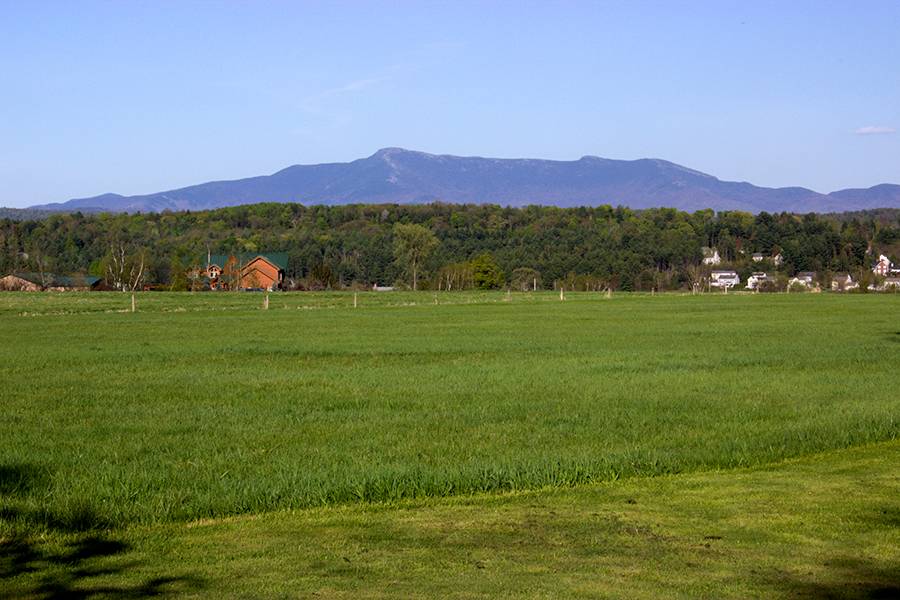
pixel 711 256
pixel 724 279
pixel 842 282
pixel 890 284
pixel 757 279
pixel 775 258
pixel 806 279
pixel 884 267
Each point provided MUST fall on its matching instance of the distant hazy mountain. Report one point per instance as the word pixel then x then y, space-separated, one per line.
pixel 394 175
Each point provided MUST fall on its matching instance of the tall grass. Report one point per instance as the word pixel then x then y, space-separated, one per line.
pixel 204 405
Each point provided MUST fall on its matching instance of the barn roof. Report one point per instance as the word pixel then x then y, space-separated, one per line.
pixel 59 280
pixel 279 259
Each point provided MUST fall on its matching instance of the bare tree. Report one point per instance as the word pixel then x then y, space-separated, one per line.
pixel 194 276
pixel 696 276
pixel 42 265
pixel 124 270
pixel 232 273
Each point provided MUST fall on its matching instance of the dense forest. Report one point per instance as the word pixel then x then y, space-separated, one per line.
pixel 475 245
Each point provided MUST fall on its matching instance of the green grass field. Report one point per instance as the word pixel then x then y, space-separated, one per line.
pixel 344 426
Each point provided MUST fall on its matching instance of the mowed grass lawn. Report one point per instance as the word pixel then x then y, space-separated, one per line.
pixel 826 526
pixel 204 407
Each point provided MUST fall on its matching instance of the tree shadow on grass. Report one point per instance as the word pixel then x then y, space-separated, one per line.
pixel 845 578
pixel 81 567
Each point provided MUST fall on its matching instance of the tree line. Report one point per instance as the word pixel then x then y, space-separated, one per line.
pixel 448 246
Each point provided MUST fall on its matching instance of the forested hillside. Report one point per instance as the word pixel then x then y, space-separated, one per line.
pixel 344 245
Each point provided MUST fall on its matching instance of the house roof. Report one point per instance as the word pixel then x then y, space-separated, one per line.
pixel 54 280
pixel 279 259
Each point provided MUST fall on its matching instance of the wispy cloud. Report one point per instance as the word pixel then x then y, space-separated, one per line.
pixel 355 86
pixel 874 130
pixel 326 106
pixel 352 86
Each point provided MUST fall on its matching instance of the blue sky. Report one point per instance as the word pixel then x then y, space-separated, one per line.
pixel 135 97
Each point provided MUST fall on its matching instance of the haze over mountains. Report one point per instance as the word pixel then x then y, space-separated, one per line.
pixel 395 175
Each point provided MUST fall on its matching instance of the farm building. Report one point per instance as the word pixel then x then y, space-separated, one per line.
pixel 36 282
pixel 246 271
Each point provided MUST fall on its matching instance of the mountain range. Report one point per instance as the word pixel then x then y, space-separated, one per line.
pixel 395 175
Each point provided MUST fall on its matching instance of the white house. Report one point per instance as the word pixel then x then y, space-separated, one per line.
pixel 891 284
pixel 711 256
pixel 883 266
pixel 805 278
pixel 775 258
pixel 724 279
pixel 756 279
pixel 843 282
